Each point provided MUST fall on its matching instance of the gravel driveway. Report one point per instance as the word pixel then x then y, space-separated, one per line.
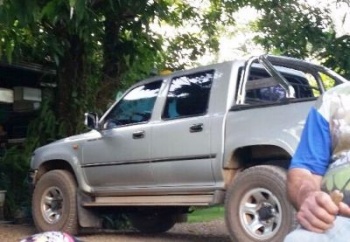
pixel 214 231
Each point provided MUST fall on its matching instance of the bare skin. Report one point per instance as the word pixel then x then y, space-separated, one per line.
pixel 316 210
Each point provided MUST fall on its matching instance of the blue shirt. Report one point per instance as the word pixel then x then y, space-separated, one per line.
pixel 326 134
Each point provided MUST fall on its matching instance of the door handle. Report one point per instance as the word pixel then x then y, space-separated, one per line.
pixel 138 134
pixel 196 128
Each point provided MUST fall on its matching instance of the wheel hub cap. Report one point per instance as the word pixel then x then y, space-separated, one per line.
pixel 52 205
pixel 260 213
pixel 266 212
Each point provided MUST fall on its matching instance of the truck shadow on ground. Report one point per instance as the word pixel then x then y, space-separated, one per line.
pixel 166 237
pixel 188 237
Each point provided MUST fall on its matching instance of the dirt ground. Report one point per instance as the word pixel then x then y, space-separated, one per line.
pixel 214 231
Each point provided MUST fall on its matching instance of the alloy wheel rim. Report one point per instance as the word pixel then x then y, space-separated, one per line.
pixel 260 213
pixel 52 205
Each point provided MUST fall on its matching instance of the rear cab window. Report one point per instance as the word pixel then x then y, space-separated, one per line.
pixel 271 79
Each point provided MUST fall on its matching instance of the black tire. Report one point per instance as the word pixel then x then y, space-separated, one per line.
pixel 54 202
pixel 257 207
pixel 152 223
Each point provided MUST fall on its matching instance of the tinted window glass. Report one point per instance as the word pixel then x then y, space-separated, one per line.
pixel 188 95
pixel 136 106
pixel 261 87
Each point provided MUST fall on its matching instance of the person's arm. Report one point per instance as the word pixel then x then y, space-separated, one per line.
pixel 316 210
pixel 301 183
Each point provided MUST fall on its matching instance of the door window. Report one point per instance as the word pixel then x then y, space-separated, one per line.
pixel 188 95
pixel 135 107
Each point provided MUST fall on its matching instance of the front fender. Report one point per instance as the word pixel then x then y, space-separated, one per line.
pixel 59 156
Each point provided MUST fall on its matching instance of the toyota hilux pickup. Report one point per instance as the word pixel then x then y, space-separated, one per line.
pixel 221 134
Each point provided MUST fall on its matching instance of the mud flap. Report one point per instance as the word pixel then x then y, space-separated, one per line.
pixel 87 217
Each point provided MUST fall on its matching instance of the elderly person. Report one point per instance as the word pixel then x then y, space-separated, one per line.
pixel 324 145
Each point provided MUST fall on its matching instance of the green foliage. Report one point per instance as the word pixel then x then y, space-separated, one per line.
pixel 289 27
pixel 14 165
pixel 335 54
pixel 206 214
pixel 295 28
pixel 4 179
pixel 98 48
pixel 45 124
pixel 115 221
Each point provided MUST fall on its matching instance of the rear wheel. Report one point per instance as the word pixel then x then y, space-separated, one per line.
pixel 257 206
pixel 54 202
pixel 152 222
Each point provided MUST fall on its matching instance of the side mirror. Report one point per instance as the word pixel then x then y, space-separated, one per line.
pixel 91 120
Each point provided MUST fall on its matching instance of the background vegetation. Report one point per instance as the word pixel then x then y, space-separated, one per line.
pixel 101 47
pixel 206 214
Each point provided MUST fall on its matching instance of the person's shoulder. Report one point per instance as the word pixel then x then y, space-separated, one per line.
pixel 333 98
pixel 335 94
pixel 343 88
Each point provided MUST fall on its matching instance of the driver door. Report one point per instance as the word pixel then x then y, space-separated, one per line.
pixel 119 159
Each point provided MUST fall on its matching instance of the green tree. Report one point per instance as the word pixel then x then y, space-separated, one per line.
pixel 298 29
pixel 95 43
pixel 97 48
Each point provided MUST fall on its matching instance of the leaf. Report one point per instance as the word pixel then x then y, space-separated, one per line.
pixel 71 12
pixel 49 10
pixel 57 59
pixel 9 50
pixel 72 3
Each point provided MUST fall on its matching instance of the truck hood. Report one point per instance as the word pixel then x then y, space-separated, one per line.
pixel 78 139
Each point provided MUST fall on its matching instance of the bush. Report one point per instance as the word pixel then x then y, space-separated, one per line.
pixel 15 162
pixel 14 168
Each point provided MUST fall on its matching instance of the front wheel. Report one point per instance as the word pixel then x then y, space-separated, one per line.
pixel 257 206
pixel 54 202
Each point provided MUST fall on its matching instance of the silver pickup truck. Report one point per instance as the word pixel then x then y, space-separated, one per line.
pixel 221 134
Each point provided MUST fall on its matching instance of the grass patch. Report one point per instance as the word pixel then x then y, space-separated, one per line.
pixel 206 214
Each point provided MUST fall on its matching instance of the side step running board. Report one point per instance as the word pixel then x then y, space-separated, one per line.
pixel 168 200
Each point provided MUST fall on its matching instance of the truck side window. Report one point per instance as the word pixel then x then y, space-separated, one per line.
pixel 327 80
pixel 188 95
pixel 262 88
pixel 135 107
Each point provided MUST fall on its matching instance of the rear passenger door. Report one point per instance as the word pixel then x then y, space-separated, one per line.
pixel 181 141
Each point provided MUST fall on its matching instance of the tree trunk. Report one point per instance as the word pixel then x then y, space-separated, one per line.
pixel 72 87
pixel 111 60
